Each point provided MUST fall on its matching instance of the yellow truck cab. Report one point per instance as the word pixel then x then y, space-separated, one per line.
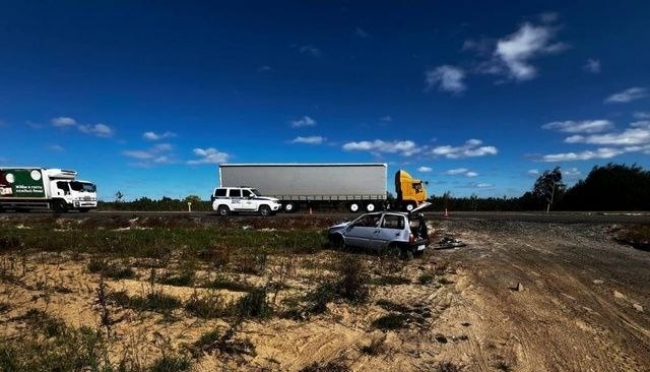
pixel 411 193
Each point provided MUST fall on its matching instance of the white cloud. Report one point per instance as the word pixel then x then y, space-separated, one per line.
pixel 359 32
pixel 518 49
pixel 593 66
pixel 209 156
pixel 461 172
pixel 585 126
pixel 602 153
pixel 483 185
pixel 637 134
pixel 264 69
pixel 627 95
pixel 305 121
pixel 457 171
pixel 642 115
pixel 156 154
pixel 471 148
pixel 533 172
pixel 311 50
pixel 139 154
pixel 386 119
pixel 153 136
pixel 406 148
pixel 424 169
pixel 57 148
pixel 64 122
pixel 99 130
pixel 311 140
pixel 571 172
pixel 447 78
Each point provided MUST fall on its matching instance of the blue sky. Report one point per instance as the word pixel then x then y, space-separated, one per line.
pixel 147 97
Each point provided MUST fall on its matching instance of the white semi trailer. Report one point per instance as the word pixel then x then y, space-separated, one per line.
pixel 32 188
pixel 356 185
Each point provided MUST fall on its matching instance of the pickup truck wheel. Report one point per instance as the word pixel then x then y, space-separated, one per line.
pixel 354 207
pixel 370 207
pixel 223 210
pixel 59 206
pixel 265 210
pixel 289 207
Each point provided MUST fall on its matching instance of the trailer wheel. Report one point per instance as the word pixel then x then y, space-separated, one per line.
pixel 59 206
pixel 289 207
pixel 354 207
pixel 409 207
pixel 223 211
pixel 265 210
pixel 370 207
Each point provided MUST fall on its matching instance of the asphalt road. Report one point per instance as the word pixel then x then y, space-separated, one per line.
pixel 554 217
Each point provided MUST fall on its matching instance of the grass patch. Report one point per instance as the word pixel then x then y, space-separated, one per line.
pixel 154 301
pixel 448 367
pixel 391 280
pixel 391 322
pixel 332 366
pixel 110 270
pixel 426 278
pixel 392 306
pixel 223 282
pixel 209 306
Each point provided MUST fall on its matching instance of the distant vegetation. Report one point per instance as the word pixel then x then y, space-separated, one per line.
pixel 607 188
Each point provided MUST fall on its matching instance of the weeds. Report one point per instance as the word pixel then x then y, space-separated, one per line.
pixel 254 304
pixel 391 322
pixel 109 270
pixel 426 278
pixel 223 282
pixel 449 367
pixel 377 346
pixel 153 301
pixel 333 366
pixel 209 306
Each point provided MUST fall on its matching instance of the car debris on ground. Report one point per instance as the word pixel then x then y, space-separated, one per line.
pixel 448 243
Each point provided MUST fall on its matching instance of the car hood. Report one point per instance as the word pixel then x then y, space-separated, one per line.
pixel 339 225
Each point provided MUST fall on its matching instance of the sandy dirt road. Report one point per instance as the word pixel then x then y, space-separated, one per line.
pixel 520 296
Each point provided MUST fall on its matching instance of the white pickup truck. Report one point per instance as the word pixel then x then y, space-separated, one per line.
pixel 227 200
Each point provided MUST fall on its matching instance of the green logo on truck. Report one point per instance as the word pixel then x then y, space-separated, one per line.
pixel 22 183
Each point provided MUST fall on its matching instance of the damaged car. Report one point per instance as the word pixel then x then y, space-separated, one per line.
pixel 395 233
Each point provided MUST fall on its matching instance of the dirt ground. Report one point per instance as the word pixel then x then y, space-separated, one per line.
pixel 518 297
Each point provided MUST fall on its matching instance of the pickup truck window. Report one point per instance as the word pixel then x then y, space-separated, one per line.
pixel 235 193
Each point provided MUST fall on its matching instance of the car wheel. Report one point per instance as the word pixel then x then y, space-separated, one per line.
pixel 370 207
pixel 265 210
pixel 289 207
pixel 393 250
pixel 354 207
pixel 59 206
pixel 337 242
pixel 223 210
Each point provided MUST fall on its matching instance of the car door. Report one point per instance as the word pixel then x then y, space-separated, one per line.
pixel 249 203
pixel 363 231
pixel 393 228
pixel 234 195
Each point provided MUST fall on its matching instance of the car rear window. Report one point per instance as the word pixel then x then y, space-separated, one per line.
pixel 220 192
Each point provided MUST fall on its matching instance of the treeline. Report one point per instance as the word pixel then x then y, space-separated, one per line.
pixel 164 204
pixel 613 187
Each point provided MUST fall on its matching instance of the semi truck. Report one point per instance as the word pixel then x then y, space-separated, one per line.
pixel 357 186
pixel 33 188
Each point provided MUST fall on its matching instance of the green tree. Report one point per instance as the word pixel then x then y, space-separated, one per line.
pixel 548 186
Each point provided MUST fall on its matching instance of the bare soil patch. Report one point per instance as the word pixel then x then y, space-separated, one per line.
pixel 517 297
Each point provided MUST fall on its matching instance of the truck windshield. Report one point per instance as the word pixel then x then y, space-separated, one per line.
pixel 83 186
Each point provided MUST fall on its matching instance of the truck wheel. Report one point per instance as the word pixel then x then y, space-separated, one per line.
pixel 265 210
pixel 59 206
pixel 223 211
pixel 354 207
pixel 370 207
pixel 409 207
pixel 289 207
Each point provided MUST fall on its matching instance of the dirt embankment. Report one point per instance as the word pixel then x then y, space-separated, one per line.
pixel 517 297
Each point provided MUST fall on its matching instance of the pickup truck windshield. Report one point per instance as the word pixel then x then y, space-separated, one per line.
pixel 83 186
